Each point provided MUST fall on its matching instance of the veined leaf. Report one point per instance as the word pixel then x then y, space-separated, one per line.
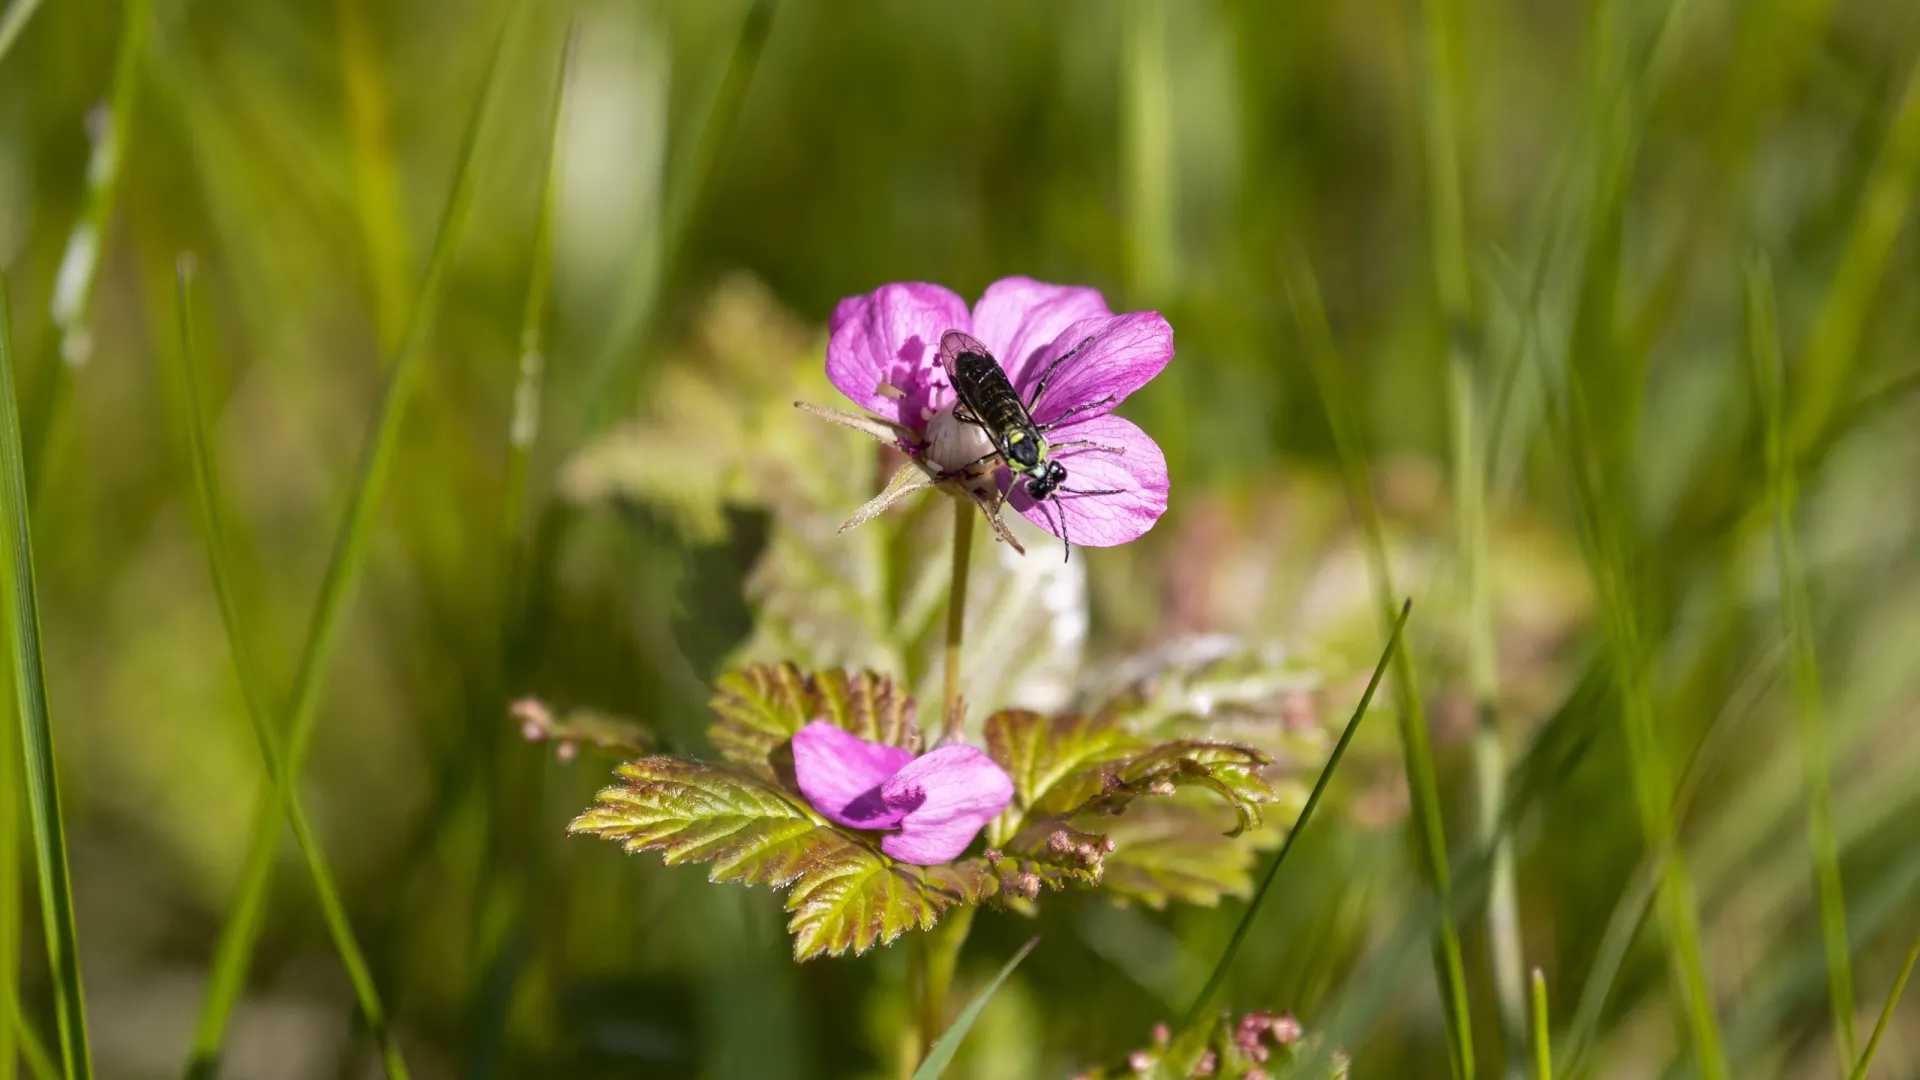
pixel 761 708
pixel 1073 764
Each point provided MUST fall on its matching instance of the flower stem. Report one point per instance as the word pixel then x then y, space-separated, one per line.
pixel 956 614
pixel 939 954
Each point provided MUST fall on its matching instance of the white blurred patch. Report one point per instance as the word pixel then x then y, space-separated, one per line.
pixel 612 152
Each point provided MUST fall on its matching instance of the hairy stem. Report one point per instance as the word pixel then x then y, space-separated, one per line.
pixel 956 614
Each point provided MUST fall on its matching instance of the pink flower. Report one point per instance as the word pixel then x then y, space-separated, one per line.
pixel 884 354
pixel 938 801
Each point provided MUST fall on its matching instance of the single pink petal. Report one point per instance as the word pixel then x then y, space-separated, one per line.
pixel 891 335
pixel 1017 317
pixel 1121 354
pixel 1140 475
pixel 843 775
pixel 948 796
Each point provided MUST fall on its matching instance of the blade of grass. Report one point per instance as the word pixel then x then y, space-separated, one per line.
pixel 1441 26
pixel 15 21
pixel 1768 376
pixel 40 1063
pixel 241 931
pixel 1205 997
pixel 376 195
pixel 633 319
pixel 1886 1012
pixel 1429 828
pixel 501 939
pixel 36 727
pixel 206 488
pixel 10 899
pixel 1542 1050
pixel 938 1058
pixel 1647 764
pixel 1833 346
pixel 79 272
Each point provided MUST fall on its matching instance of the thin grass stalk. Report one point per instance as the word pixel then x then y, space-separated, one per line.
pixel 206 487
pixel 1886 1012
pixel 1833 346
pixel 376 195
pixel 633 319
pixel 1417 755
pixel 1542 1048
pixel 10 914
pixel 242 928
pixel 502 942
pixel 14 21
pixel 1197 1011
pixel 1647 765
pixel 36 727
pixel 1442 25
pixel 40 1063
pixel 1809 708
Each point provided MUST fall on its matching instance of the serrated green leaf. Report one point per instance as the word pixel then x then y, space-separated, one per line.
pixel 1075 764
pixel 846 895
pixel 761 708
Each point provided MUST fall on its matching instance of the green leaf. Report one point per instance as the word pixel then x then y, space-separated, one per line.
pixel 761 708
pixel 1174 850
pixel 1073 764
pixel 846 895
pixel 941 1055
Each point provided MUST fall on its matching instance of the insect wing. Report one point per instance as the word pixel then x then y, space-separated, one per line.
pixel 953 345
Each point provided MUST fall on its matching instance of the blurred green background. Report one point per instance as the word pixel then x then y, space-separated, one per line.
pixel 1540 233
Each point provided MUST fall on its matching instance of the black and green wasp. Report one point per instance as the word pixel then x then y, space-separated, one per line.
pixel 987 400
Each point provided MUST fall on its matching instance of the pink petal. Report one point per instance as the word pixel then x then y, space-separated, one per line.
pixel 1140 474
pixel 842 775
pixel 891 335
pixel 1017 317
pixel 1124 354
pixel 948 796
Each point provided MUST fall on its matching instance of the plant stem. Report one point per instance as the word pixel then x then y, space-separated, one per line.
pixel 956 613
pixel 939 953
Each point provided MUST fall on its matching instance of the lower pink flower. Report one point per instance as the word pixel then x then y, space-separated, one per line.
pixel 937 802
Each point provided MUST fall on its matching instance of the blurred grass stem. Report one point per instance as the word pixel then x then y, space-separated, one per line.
pixel 36 727
pixel 1417 755
pixel 351 542
pixel 14 21
pixel 206 484
pixel 1886 1011
pixel 950 704
pixel 1809 709
pixel 1542 1051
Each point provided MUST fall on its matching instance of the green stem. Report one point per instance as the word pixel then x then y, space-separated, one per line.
pixel 950 705
pixel 1542 1053
pixel 939 954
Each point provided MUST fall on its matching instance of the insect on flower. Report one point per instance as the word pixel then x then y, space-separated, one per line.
pixel 1005 401
pixel 987 401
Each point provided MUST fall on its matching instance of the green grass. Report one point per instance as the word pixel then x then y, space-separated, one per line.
pixel 941 1055
pixel 1417 756
pixel 1197 1012
pixel 1542 1044
pixel 242 929
pixel 13 21
pixel 1809 705
pixel 1886 1011
pixel 208 502
pixel 36 727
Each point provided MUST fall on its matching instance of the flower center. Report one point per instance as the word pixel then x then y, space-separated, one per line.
pixel 953 445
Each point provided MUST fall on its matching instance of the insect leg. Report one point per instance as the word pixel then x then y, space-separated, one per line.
pixel 1056 422
pixel 1090 444
pixel 971 465
pixel 1040 387
pixel 1042 504
pixel 1077 491
pixel 961 414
